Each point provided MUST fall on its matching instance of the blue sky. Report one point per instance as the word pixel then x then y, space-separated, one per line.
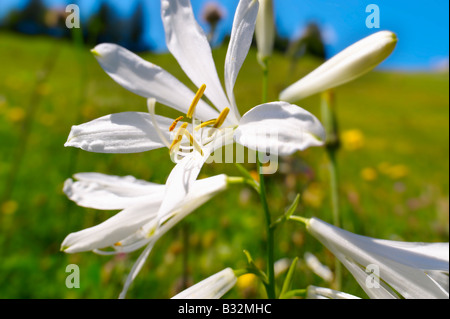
pixel 422 27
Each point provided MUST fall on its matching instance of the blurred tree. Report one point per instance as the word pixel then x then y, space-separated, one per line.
pixel 137 28
pixel 310 43
pixel 106 26
pixel 100 26
pixel 31 19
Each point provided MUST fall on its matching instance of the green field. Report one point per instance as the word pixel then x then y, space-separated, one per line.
pixel 393 169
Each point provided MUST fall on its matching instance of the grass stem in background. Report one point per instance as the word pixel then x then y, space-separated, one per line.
pixel 25 131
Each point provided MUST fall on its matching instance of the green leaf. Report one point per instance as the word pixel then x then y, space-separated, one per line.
pixel 286 216
pixel 289 277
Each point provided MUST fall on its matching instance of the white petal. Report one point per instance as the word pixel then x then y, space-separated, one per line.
pixel 114 229
pixel 201 192
pixel 402 268
pixel 187 42
pixel 148 80
pixel 178 184
pixel 100 191
pixel 318 268
pixel 128 132
pixel 185 172
pixel 240 41
pixel 326 293
pixel 214 287
pixel 279 128
pixel 351 63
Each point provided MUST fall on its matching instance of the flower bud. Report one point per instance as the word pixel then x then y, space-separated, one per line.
pixel 349 64
pixel 265 30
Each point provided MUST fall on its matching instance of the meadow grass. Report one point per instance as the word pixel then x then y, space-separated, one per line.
pixel 393 171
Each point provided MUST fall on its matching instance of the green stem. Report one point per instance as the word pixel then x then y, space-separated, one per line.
pixel 335 208
pixel 265 91
pixel 270 234
pixel 294 293
pixel 300 219
pixel 330 122
pixel 270 287
pixel 334 187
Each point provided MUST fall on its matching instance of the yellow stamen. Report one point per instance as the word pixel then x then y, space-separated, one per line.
pixel 205 124
pixel 193 142
pixel 222 117
pixel 178 136
pixel 195 101
pixel 174 124
pixel 118 244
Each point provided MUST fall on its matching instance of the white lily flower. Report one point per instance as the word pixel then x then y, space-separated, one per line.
pixel 388 269
pixel 214 287
pixel 349 64
pixel 265 30
pixel 313 292
pixel 137 225
pixel 140 202
pixel 222 124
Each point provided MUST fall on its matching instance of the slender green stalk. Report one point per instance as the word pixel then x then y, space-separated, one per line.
pixel 300 219
pixel 334 187
pixel 270 234
pixel 265 81
pixel 329 121
pixel 270 287
pixel 295 293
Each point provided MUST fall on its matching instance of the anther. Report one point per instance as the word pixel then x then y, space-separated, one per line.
pixel 222 117
pixel 178 136
pixel 195 101
pixel 174 124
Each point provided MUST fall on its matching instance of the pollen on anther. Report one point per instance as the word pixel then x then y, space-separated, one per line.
pixel 174 124
pixel 222 117
pixel 195 101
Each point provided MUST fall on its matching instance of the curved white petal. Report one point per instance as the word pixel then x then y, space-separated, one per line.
pixel 128 132
pixel 100 191
pixel 240 41
pixel 314 292
pixel 179 182
pixel 147 80
pixel 201 192
pixel 114 229
pixel 346 66
pixel 318 268
pixel 279 128
pixel 403 267
pixel 214 287
pixel 187 42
